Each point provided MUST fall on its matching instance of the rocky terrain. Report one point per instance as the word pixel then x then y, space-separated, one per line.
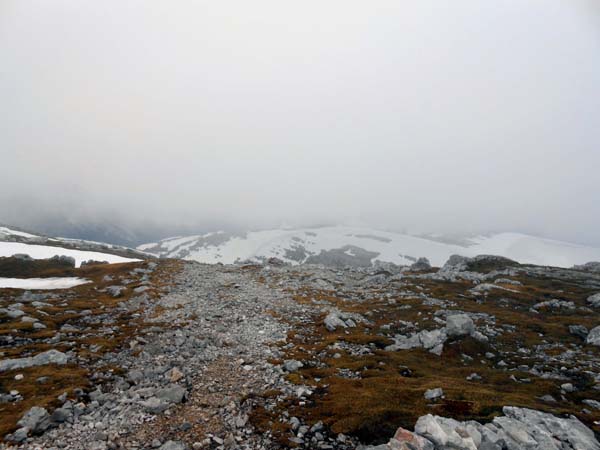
pixel 484 353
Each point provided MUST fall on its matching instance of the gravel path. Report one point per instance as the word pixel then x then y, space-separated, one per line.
pixel 188 382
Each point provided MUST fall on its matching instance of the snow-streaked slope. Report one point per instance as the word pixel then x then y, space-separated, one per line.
pixel 42 283
pixel 534 250
pixel 5 232
pixel 14 242
pixel 45 251
pixel 304 245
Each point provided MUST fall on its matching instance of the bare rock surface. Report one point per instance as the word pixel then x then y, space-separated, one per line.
pixel 517 429
pixel 48 357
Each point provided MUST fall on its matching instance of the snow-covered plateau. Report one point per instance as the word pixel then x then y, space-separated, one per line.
pixel 363 246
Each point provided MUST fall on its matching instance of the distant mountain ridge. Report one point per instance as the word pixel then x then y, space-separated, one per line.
pixel 339 245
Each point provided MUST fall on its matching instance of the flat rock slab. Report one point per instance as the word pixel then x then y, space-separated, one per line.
pixel 49 357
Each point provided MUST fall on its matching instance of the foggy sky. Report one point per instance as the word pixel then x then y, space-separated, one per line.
pixel 424 116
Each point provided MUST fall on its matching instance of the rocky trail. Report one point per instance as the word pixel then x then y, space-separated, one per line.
pixel 481 354
pixel 194 377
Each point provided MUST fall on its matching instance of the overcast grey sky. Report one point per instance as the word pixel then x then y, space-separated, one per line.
pixel 426 115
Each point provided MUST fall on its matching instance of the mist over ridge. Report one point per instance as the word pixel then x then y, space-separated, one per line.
pixel 149 120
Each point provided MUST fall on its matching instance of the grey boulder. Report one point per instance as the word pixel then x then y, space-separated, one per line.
pixel 405 440
pixel 333 321
pixel 579 331
pixel 60 415
pixel 48 357
pixel 430 340
pixel 594 300
pixel 64 259
pixel 433 394
pixel 444 433
pixel 154 405
pixel 519 428
pixel 18 436
pixel 291 365
pixel 593 403
pixel 172 394
pixel 593 337
pixel 421 264
pixel 459 325
pixel 15 313
pixel 338 319
pixel 115 291
pixel 36 420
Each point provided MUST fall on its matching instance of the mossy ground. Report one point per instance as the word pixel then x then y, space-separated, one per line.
pixel 89 344
pixel 387 388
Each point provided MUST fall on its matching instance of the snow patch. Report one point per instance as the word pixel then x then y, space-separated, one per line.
pixel 42 283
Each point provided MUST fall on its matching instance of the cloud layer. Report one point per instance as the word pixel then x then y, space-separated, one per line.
pixel 438 117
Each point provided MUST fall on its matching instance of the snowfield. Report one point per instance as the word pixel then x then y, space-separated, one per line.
pixel 298 245
pixel 42 283
pixel 46 251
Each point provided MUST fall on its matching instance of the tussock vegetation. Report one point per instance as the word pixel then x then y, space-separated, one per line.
pixel 369 395
pixel 23 268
